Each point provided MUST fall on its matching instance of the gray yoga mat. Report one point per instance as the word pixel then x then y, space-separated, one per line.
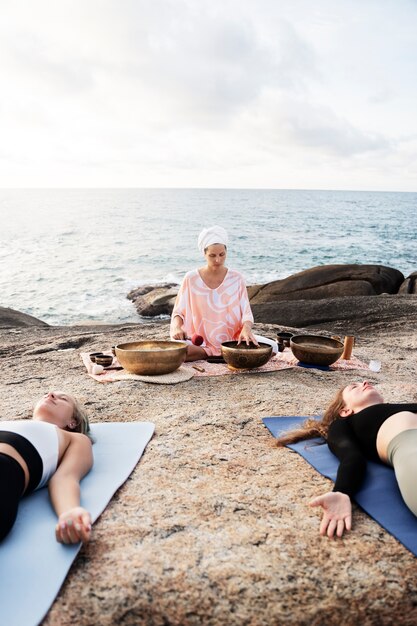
pixel 33 565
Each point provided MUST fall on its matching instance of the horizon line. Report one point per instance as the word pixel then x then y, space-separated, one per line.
pixel 78 188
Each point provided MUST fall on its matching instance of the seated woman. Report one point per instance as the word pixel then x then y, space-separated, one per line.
pixel 53 448
pixel 213 302
pixel 359 426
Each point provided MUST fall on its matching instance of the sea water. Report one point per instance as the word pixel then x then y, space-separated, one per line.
pixel 68 256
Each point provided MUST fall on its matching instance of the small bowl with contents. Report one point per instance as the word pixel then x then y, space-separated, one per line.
pixel 315 349
pixel 151 358
pixel 283 340
pixel 243 356
pixel 104 359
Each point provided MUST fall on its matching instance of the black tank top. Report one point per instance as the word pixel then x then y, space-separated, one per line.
pixel 353 441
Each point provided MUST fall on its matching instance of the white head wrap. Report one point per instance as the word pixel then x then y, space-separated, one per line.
pixel 214 234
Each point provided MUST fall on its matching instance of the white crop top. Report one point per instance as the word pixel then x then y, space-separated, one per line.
pixel 44 437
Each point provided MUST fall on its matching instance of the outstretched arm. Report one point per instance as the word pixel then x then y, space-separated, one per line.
pixel 337 513
pixel 74 522
pixel 336 504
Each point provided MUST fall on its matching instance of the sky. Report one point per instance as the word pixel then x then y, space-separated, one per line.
pixel 285 94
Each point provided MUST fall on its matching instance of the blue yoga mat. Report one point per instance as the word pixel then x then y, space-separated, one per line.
pixel 33 565
pixel 323 368
pixel 379 495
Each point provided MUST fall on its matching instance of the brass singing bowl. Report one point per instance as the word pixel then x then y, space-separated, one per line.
pixel 244 356
pixel 151 358
pixel 104 359
pixel 316 350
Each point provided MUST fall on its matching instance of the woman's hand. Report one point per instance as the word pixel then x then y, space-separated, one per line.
pixel 337 513
pixel 246 335
pixel 73 526
pixel 177 330
pixel 178 333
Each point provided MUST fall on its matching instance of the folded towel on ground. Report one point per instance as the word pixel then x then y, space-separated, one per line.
pixel 33 565
pixel 283 360
pixel 379 495
pixel 116 373
pixel 274 364
pixel 183 373
pixel 341 365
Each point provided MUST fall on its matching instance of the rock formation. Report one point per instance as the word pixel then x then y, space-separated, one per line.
pixel 151 300
pixel 331 281
pixel 9 318
pixel 347 315
pixel 409 285
pixel 309 298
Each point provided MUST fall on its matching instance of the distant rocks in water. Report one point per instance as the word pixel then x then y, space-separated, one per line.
pixel 330 281
pixel 9 318
pixel 342 315
pixel 336 297
pixel 154 300
pixel 314 297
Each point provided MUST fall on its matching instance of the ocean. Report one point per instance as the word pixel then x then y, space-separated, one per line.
pixel 72 255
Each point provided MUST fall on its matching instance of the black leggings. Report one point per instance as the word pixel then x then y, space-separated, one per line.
pixel 12 485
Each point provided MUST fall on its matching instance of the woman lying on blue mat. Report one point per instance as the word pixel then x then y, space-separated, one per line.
pixel 53 448
pixel 359 426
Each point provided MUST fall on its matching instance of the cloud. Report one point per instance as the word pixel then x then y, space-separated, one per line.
pixel 130 91
pixel 318 127
pixel 206 69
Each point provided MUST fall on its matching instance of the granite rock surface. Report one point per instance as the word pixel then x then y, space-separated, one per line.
pixel 331 281
pixel 410 284
pixel 213 527
pixel 355 314
pixel 151 300
pixel 325 282
pixel 9 318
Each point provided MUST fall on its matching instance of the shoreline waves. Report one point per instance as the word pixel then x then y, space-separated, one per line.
pixel 83 250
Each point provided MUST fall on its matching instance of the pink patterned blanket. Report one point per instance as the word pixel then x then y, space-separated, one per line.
pixel 284 360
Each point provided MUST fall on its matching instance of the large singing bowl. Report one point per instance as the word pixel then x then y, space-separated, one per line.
pixel 244 356
pixel 316 350
pixel 151 357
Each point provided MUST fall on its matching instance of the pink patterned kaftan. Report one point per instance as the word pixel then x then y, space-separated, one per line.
pixel 216 314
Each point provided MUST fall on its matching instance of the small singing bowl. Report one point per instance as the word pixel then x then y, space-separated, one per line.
pixel 284 339
pixel 94 355
pixel 104 359
pixel 316 350
pixel 245 356
pixel 151 358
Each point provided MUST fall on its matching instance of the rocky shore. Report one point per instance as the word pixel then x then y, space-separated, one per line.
pixel 312 297
pixel 213 527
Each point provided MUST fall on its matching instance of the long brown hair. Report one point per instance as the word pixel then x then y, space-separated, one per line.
pixel 315 428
